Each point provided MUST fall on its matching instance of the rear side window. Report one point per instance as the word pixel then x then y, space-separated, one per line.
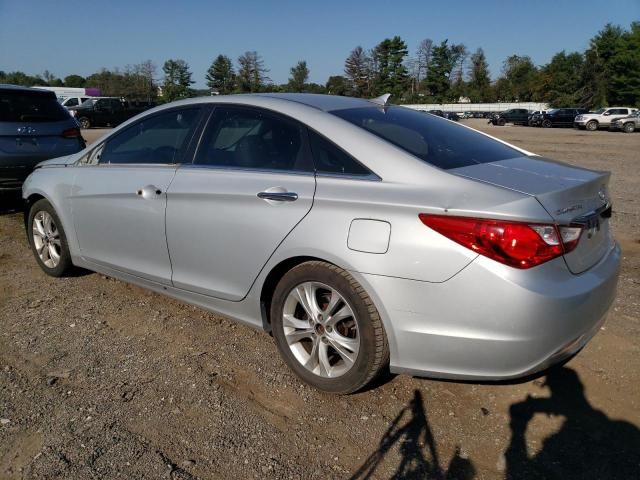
pixel 32 107
pixel 251 138
pixel 158 139
pixel 433 140
pixel 329 158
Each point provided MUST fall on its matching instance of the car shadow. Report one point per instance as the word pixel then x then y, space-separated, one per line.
pixel 411 434
pixel 588 445
pixel 10 202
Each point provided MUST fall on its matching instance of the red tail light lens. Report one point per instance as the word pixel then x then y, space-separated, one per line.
pixel 71 133
pixel 519 245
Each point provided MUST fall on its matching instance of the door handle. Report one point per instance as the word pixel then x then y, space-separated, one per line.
pixel 150 191
pixel 279 196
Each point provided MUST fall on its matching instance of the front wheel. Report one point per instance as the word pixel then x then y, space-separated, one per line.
pixel 48 240
pixel 327 329
pixel 546 124
pixel 84 122
pixel 629 127
pixel 502 122
pixel 592 126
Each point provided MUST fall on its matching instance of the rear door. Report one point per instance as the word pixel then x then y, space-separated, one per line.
pixel 251 182
pixel 119 200
pixel 33 127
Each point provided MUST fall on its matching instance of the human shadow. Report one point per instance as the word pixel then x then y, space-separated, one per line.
pixel 419 458
pixel 588 445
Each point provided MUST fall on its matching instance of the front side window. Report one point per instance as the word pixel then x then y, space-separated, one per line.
pixel 433 140
pixel 241 137
pixel 72 102
pixel 160 138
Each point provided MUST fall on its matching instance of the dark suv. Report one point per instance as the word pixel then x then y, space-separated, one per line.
pixel 107 111
pixel 560 117
pixel 33 127
pixel 515 116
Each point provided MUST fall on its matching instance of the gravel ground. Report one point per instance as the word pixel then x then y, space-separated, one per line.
pixel 101 379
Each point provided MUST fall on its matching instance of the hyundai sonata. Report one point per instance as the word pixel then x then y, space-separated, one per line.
pixel 360 234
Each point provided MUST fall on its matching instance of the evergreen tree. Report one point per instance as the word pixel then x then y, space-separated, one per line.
pixel 220 76
pixel 437 81
pixel 357 69
pixel 299 76
pixel 177 80
pixel 559 81
pixel 625 69
pixel 252 75
pixel 391 75
pixel 479 86
pixel 520 75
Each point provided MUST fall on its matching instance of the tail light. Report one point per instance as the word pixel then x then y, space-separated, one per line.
pixel 520 245
pixel 71 133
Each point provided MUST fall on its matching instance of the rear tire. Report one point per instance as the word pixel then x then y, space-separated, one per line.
pixel 592 125
pixel 629 127
pixel 345 346
pixel 84 123
pixel 48 240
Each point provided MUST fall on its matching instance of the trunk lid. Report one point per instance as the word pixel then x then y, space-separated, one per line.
pixel 569 194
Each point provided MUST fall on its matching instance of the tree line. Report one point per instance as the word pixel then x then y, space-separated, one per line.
pixel 606 73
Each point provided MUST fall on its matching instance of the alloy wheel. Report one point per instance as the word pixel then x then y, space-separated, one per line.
pixel 321 329
pixel 46 239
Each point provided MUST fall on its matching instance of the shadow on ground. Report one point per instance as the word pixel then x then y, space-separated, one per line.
pixel 10 202
pixel 588 445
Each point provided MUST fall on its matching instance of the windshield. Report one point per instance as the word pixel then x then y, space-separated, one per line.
pixel 432 139
pixel 30 106
pixel 600 110
pixel 552 111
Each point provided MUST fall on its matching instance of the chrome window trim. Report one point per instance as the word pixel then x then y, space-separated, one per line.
pixel 201 166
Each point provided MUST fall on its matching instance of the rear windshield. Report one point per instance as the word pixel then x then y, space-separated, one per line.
pixel 432 139
pixel 23 106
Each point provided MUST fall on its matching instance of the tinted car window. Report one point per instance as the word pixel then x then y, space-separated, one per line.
pixel 159 138
pixel 72 102
pixel 24 106
pixel 252 138
pixel 433 140
pixel 329 158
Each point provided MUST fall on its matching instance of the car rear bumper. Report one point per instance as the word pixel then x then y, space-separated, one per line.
pixel 493 322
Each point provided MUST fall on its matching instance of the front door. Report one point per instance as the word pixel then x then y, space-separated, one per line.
pixel 120 195
pixel 251 182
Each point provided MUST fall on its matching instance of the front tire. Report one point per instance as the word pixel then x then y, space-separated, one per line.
pixel 546 124
pixel 502 122
pixel 48 240
pixel 592 126
pixel 327 329
pixel 84 123
pixel 629 127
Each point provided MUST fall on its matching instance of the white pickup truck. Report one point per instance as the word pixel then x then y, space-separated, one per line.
pixel 601 118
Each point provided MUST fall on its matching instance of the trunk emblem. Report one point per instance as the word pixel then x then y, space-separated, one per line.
pixel 572 208
pixel 26 130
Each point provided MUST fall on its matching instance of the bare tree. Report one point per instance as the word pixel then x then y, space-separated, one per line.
pixel 423 59
pixel 252 74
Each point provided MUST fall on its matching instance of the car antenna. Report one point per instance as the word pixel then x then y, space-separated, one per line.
pixel 381 100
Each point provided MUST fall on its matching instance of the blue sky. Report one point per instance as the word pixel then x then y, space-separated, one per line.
pixel 83 36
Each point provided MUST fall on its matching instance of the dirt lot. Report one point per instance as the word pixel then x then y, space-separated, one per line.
pixel 101 379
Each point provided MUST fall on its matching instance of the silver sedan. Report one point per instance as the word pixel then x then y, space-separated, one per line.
pixel 362 235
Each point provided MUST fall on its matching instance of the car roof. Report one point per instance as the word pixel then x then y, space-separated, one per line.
pixel 20 88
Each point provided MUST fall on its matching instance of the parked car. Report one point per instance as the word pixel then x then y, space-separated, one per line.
pixel 106 111
pixel 359 236
pixel 439 113
pixel 627 124
pixel 514 115
pixel 453 116
pixel 70 102
pixel 560 117
pixel 33 127
pixel 601 118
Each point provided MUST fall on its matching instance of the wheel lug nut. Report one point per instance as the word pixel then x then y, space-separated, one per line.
pixel 319 317
pixel 329 329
